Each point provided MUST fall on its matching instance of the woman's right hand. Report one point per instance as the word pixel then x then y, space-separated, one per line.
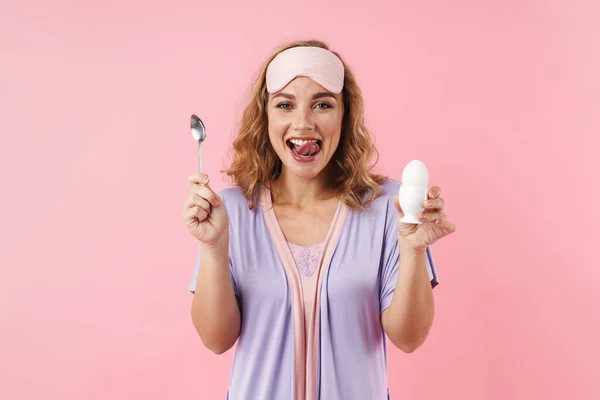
pixel 204 213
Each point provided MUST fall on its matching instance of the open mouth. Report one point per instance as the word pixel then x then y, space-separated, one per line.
pixel 304 149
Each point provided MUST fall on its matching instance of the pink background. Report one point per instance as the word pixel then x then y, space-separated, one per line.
pixel 500 99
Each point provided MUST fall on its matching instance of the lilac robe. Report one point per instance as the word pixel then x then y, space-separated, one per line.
pixel 357 282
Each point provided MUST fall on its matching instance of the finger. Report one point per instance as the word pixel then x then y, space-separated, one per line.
pixel 193 214
pixel 434 192
pixel 398 208
pixel 430 216
pixel 188 217
pixel 207 193
pixel 200 213
pixel 196 200
pixel 436 204
pixel 446 225
pixel 198 178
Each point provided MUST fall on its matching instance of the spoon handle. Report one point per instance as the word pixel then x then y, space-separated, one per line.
pixel 200 157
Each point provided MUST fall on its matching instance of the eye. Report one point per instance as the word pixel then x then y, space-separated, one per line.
pixel 285 106
pixel 323 105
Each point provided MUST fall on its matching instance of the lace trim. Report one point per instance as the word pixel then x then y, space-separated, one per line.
pixel 307 257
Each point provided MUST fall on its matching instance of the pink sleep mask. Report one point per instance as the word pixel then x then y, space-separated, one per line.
pixel 318 64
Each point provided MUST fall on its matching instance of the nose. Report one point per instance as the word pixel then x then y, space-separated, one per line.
pixel 303 120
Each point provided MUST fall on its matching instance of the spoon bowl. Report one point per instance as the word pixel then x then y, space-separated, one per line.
pixel 199 134
pixel 198 128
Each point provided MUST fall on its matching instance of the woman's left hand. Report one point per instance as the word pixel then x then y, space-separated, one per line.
pixel 434 224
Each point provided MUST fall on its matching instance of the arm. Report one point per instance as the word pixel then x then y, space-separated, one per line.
pixel 408 319
pixel 215 311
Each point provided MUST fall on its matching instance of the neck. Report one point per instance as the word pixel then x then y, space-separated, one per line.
pixel 292 190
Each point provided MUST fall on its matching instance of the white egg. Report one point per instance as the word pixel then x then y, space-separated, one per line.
pixel 415 173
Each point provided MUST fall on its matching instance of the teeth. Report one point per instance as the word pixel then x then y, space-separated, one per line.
pixel 302 142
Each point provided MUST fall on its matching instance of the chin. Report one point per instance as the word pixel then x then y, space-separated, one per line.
pixel 304 172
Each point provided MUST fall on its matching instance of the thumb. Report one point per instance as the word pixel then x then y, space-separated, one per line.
pixel 398 208
pixel 204 179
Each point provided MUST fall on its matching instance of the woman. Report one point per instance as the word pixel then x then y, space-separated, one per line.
pixel 305 259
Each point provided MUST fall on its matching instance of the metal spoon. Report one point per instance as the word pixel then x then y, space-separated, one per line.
pixel 199 134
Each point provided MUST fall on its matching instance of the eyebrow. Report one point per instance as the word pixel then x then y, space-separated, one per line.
pixel 316 96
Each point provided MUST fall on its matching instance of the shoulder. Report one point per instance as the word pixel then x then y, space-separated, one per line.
pixel 382 208
pixel 232 194
pixel 234 200
pixel 233 197
pixel 390 188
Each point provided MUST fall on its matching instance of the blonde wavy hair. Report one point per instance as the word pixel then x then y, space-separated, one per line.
pixel 255 163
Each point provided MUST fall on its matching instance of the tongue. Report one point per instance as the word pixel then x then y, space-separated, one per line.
pixel 307 149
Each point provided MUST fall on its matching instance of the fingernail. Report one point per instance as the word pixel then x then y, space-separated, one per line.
pixel 204 179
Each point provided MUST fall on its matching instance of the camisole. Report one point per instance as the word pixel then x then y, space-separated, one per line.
pixel 307 259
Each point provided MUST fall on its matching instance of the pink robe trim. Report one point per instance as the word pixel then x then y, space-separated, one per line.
pixel 305 352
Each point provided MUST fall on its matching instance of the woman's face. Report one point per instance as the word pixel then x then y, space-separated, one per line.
pixel 305 123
